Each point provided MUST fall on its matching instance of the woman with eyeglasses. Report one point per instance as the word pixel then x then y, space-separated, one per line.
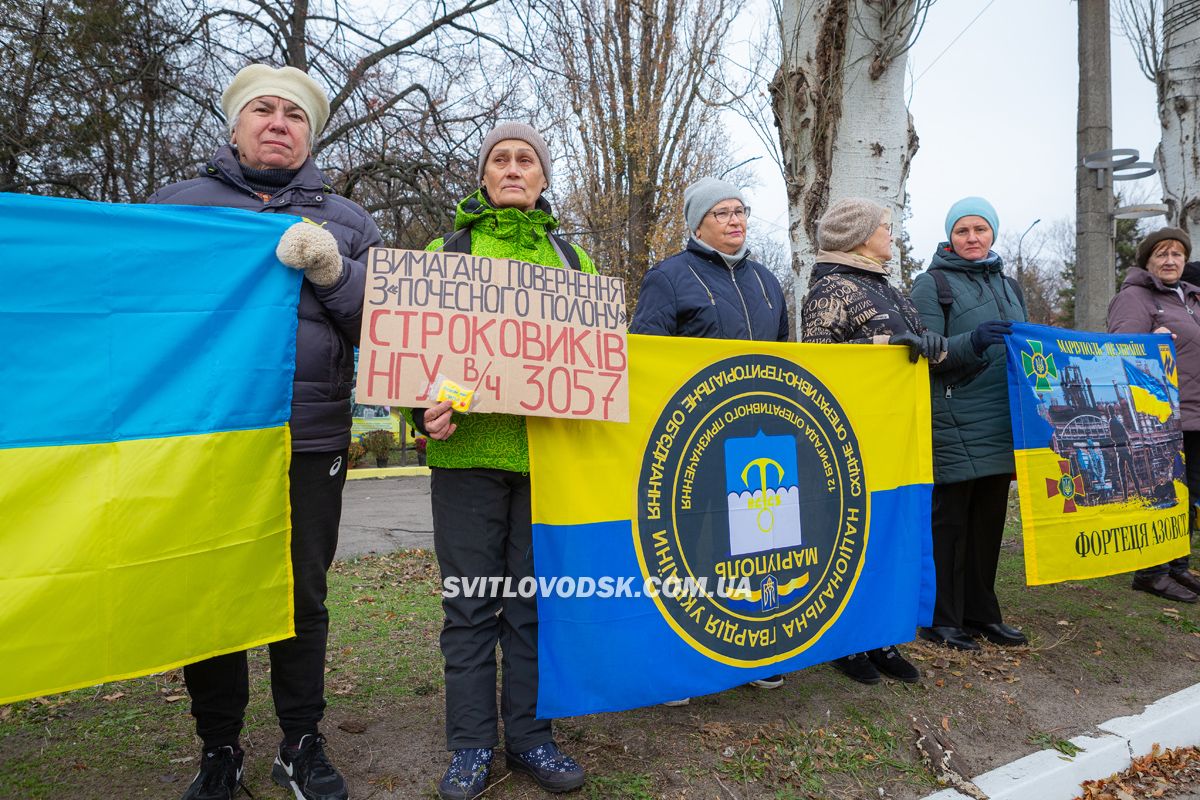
pixel 850 300
pixel 966 295
pixel 712 289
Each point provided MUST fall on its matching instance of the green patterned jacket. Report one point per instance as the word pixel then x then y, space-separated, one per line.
pixel 497 441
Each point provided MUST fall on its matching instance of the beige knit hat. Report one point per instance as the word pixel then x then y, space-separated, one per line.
pixel 848 223
pixel 521 132
pixel 259 80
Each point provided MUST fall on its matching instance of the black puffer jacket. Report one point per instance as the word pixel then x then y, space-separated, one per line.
pixel 694 293
pixel 330 316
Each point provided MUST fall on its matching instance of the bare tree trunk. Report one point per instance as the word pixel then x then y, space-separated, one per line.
pixel 839 106
pixel 1178 81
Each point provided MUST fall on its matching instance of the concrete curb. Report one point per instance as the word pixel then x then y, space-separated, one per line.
pixel 362 473
pixel 1050 775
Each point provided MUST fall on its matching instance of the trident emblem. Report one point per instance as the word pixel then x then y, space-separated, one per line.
pixel 764 503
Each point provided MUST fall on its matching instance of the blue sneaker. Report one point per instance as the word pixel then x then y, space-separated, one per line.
pixel 553 769
pixel 467 775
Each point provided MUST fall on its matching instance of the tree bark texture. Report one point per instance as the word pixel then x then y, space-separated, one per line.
pixel 838 99
pixel 1178 83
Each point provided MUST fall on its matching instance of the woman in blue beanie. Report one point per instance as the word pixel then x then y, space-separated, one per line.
pixel 966 296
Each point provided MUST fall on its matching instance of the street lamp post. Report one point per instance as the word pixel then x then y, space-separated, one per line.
pixel 1020 263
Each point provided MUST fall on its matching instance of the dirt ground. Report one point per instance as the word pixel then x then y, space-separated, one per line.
pixel 1098 650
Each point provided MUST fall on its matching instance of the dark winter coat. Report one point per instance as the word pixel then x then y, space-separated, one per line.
pixel 330 316
pixel 855 306
pixel 972 430
pixel 1145 303
pixel 694 293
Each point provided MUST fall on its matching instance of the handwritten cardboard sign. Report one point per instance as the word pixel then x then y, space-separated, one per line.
pixel 528 339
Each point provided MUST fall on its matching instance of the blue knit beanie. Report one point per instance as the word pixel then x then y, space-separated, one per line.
pixel 973 207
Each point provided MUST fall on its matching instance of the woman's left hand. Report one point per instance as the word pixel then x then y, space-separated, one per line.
pixel 1163 329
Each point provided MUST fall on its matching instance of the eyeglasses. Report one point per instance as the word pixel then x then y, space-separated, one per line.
pixel 887 225
pixel 724 214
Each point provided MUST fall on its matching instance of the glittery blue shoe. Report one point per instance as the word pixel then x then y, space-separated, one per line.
pixel 553 769
pixel 467 775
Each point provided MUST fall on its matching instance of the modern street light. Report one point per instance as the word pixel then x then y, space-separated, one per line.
pixel 1020 263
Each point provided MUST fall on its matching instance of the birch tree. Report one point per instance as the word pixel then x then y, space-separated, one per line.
pixel 1166 41
pixel 838 99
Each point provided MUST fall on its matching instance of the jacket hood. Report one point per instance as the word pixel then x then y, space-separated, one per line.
pixel 946 258
pixel 225 162
pixel 1136 276
pixel 477 207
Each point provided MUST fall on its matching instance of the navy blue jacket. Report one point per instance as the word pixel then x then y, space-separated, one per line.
pixel 694 293
pixel 330 316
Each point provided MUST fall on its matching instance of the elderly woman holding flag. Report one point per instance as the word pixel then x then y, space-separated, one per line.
pixel 1155 299
pixel 274 116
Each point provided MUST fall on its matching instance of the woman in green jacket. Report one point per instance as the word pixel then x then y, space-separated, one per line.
pixel 481 501
pixel 965 296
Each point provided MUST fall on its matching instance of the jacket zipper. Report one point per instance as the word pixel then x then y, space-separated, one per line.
pixel 745 310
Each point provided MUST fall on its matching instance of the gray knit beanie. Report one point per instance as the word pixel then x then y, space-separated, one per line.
pixel 701 196
pixel 848 223
pixel 522 132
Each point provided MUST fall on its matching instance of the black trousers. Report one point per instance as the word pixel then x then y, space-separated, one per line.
pixel 220 686
pixel 482 527
pixel 1191 464
pixel 968 522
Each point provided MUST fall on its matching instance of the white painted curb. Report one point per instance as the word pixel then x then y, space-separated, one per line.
pixel 1049 775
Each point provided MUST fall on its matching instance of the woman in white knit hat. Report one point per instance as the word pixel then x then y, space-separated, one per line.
pixel 274 117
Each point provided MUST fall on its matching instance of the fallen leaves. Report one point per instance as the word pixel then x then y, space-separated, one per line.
pixel 1151 775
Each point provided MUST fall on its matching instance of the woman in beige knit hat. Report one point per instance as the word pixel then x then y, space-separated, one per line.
pixel 850 300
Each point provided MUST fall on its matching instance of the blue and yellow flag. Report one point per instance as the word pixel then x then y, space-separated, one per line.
pixel 1097 440
pixel 147 353
pixel 1150 395
pixel 765 508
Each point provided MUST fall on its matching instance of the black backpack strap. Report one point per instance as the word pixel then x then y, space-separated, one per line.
pixel 457 242
pixel 945 296
pixel 1016 287
pixel 460 242
pixel 566 253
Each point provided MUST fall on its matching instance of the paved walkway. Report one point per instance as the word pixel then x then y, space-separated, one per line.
pixel 380 516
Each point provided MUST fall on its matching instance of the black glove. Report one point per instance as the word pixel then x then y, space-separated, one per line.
pixel 989 333
pixel 933 345
pixel 914 343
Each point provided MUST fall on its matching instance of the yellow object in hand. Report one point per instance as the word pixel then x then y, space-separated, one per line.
pixel 460 398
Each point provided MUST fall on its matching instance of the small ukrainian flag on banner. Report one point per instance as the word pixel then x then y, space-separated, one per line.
pixel 767 507
pixel 1149 394
pixel 147 355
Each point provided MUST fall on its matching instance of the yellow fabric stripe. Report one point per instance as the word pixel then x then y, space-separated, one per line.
pixel 884 396
pixel 1052 533
pixel 127 558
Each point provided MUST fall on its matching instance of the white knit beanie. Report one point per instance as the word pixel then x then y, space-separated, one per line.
pixel 521 132
pixel 260 80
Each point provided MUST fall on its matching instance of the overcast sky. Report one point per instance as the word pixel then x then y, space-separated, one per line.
pixel 996 116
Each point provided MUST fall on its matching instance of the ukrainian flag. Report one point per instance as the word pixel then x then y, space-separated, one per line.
pixel 1149 395
pixel 147 355
pixel 793 479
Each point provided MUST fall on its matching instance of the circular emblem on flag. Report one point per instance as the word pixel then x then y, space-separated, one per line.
pixel 752 510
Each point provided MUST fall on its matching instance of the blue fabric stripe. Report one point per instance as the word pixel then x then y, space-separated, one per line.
pixel 609 654
pixel 117 321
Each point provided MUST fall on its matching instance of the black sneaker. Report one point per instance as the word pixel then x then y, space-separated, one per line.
pixel 553 769
pixel 220 775
pixel 857 667
pixel 307 772
pixel 889 661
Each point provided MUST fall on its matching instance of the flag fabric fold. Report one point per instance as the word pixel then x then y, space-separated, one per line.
pixel 148 353
pixel 792 481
